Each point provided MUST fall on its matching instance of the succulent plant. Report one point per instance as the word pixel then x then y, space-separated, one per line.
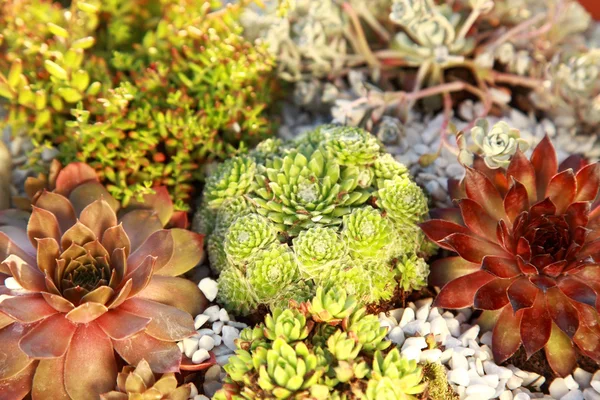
pixel 526 239
pixel 413 271
pixel 324 358
pixel 140 382
pixel 327 208
pixel 497 144
pixel 80 284
pixel 117 85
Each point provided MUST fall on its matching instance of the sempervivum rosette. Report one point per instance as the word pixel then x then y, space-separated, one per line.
pixel 86 280
pixel 328 208
pixel 527 240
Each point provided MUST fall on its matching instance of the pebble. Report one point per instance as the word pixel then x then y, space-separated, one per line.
pixel 190 345
pixel 200 356
pixel 206 342
pixel 558 388
pixel 217 326
pixel 229 334
pixel 209 288
pixel 200 320
pixel 212 312
pixel 396 335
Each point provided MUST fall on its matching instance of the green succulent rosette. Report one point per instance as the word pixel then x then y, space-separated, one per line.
pixel 273 268
pixel 367 233
pixel 216 253
pixel 231 178
pixel 402 200
pixel 351 146
pixel 247 236
pixel 386 167
pixel 332 305
pixel 287 370
pixel 287 324
pixel 235 291
pixel 230 210
pixel 317 249
pixel 413 272
pixel 368 331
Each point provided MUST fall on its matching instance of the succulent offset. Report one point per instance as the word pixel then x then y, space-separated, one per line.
pixel 80 285
pixel 329 208
pixel 123 86
pixel 316 358
pixel 527 239
pixel 140 383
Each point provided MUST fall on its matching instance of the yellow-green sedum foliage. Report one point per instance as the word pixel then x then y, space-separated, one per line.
pixel 327 209
pixel 145 91
pixel 298 354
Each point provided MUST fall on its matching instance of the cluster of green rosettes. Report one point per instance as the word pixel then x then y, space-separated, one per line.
pixel 144 91
pixel 330 208
pixel 325 349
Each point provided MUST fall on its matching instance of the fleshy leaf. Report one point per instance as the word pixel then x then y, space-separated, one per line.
pixel 48 339
pixel 460 292
pixel 536 326
pixel 506 338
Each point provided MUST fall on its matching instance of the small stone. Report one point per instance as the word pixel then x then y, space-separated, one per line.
pixel 582 377
pixel 573 395
pixel 217 326
pixel 212 312
pixel 558 388
pixel 200 356
pixel 591 394
pixel 439 327
pixel 481 391
pixel 209 287
pixel 469 334
pixel 212 374
pixel 417 327
pixel 200 397
pixel 229 334
pixel 491 368
pixel 218 340
pixel 459 376
pixel 514 382
pixel 446 356
pixel 407 316
pixel 571 383
pixel 451 342
pixel 595 382
pixel 396 314
pixel 506 395
pixel 180 345
pixel 210 388
pixel 522 396
pixel 224 359
pixel 411 353
pixel 200 320
pixel 190 345
pixel 431 355
pixel 433 314
pixel 221 350
pixel 422 313
pixel 235 324
pixel 205 331
pixel 453 327
pixel 486 338
pixel 206 342
pixel 491 380
pixel 223 315
pixel 396 335
pixel 459 361
pixel 418 341
pixel 193 390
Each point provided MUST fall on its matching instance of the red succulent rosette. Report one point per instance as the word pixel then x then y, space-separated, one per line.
pixel 82 281
pixel 527 240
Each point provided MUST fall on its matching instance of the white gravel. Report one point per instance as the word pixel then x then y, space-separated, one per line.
pixel 468 357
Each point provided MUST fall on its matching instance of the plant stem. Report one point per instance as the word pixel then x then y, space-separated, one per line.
pixel 362 40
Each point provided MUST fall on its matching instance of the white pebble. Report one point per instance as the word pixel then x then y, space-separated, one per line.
pixel 193 390
pixel 417 327
pixel 190 345
pixel 229 335
pixel 407 316
pixel 218 340
pixel 200 320
pixel 596 381
pixel 431 355
pixel 514 382
pixel 223 316
pixel 481 391
pixel 582 377
pixel 491 368
pixel 201 397
pixel 573 395
pixel 486 338
pixel 224 359
pixel 212 312
pixel 459 361
pixel 217 326
pixel 522 396
pixel 506 395
pixel 209 287
pixel 235 324
pixel 221 350
pixel 459 376
pixel 469 334
pixel 200 356
pixel 591 394
pixel 202 332
pixel 423 313
pixel 396 335
pixel 571 383
pixel 206 342
pixel 558 388
pixel 411 353
pixel 417 341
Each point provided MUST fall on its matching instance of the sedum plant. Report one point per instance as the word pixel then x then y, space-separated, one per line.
pixel 329 208
pixel 143 91
pixel 527 244
pixel 140 383
pixel 296 354
pixel 84 281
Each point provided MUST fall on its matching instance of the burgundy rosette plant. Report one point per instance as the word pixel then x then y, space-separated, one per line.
pixel 83 281
pixel 527 240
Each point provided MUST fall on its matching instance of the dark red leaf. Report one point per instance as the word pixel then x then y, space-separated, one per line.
pixel 477 220
pixel 505 238
pixel 544 207
pixel 522 293
pixel 574 162
pixel 555 269
pixel 456 189
pixel 447 269
pixel 562 190
pixel 577 290
pixel 590 249
pixel 506 337
pixel 460 292
pixel 536 326
pixel 516 200
pixel 438 229
pixel 521 169
pixel 480 189
pixel 577 215
pixel 500 267
pixel 542 282
pixel 545 163
pixel 588 342
pixel 496 175
pixel 492 295
pixel 451 214
pixel 74 175
pixel 523 249
pixel 588 182
pixel 562 312
pixel 473 249
pixel 560 352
